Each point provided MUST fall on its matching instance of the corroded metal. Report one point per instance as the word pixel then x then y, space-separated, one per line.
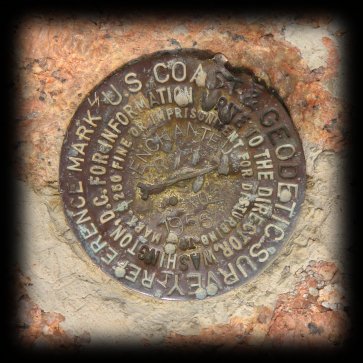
pixel 181 177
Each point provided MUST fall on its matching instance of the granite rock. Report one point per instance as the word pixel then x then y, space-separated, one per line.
pixel 300 299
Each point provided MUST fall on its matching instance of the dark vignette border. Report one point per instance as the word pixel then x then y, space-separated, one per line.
pixel 13 16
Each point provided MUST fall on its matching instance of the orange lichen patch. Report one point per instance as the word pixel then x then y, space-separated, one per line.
pixel 326 270
pixel 302 317
pixel 60 60
pixel 307 328
pixel 43 324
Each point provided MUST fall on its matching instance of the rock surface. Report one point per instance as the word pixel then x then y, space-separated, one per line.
pixel 301 299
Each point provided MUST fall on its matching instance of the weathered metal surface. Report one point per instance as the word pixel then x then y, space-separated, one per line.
pixel 181 177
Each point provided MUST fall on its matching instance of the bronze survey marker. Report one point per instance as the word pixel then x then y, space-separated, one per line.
pixel 181 177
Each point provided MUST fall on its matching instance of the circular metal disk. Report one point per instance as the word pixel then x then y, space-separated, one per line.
pixel 181 177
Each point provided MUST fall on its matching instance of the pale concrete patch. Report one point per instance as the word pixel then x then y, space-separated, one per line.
pixel 66 281
pixel 309 41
